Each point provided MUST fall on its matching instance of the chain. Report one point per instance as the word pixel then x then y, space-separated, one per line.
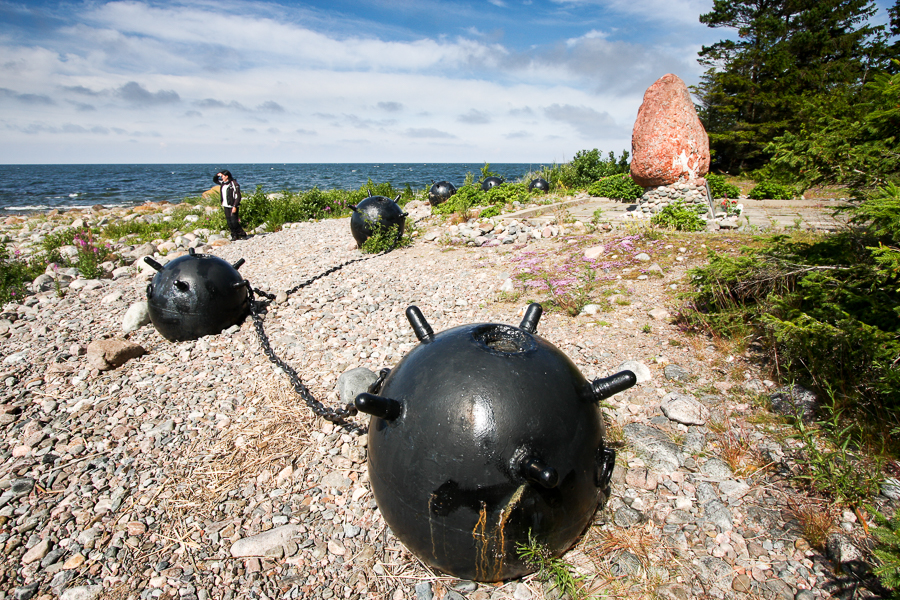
pixel 337 416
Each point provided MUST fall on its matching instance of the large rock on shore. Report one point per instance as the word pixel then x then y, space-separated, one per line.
pixel 668 142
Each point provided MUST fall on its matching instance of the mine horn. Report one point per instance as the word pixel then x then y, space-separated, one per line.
pixel 420 326
pixel 621 381
pixel 532 316
pixel 153 263
pixel 378 406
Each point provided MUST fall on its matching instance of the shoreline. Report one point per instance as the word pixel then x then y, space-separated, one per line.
pixel 123 184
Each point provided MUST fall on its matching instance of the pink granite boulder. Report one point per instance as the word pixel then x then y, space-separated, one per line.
pixel 668 143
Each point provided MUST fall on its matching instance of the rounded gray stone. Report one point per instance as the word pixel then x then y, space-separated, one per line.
pixel 136 317
pixel 626 516
pixel 625 563
pixel 82 592
pixel 683 409
pixel 890 487
pixel 354 382
pixel 673 591
pixel 841 549
pixel 423 591
pixel 713 570
pixel 795 400
pixel 716 468
pixel 660 453
pixel 676 373
pixel 640 370
pixel 719 515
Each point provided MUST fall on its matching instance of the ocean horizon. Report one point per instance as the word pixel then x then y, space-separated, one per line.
pixel 36 188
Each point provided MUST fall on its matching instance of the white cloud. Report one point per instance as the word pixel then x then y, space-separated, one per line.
pixel 474 117
pixel 237 78
pixel 586 122
pixel 666 11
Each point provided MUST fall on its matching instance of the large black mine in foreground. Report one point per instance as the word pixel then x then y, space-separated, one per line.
pixel 482 436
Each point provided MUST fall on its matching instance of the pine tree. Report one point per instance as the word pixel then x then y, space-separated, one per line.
pixel 786 51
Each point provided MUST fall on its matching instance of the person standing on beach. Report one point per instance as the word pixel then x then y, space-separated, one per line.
pixel 230 192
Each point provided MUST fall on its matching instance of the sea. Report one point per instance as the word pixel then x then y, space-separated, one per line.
pixel 37 188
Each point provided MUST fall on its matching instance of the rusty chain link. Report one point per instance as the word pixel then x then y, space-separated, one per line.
pixel 338 415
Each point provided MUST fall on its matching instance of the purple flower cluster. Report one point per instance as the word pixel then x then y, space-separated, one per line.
pixel 568 276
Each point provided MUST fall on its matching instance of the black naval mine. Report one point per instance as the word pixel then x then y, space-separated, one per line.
pixel 440 192
pixel 490 182
pixel 540 184
pixel 196 295
pixel 483 437
pixel 375 212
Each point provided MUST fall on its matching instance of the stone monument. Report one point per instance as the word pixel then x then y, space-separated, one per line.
pixel 669 147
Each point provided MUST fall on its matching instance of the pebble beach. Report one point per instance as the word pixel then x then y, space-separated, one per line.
pixel 193 471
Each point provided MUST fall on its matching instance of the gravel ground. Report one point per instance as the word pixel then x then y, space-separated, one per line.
pixel 194 472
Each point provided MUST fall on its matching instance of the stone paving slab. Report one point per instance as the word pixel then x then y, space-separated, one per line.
pixel 817 214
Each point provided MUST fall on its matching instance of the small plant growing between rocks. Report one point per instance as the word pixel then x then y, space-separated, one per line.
pixel 678 217
pixel 554 571
pixel 16 273
pixel 731 207
pixel 60 292
pixel 837 470
pixel 816 522
pixel 571 293
pixel 738 450
pixel 90 255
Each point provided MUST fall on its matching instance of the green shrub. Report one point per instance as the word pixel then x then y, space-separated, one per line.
pixel 385 238
pixel 487 172
pixel 469 196
pixel 720 188
pixel 54 241
pixel 588 167
pixel 289 207
pixel 769 190
pixel 831 465
pixel 491 211
pixel 821 309
pixel 679 217
pixel 617 187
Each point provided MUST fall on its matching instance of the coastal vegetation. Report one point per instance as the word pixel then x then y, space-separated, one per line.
pixel 809 95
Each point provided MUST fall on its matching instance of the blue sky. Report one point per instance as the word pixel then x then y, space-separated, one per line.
pixel 231 81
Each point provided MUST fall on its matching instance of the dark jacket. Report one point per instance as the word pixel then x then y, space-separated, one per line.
pixel 231 194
